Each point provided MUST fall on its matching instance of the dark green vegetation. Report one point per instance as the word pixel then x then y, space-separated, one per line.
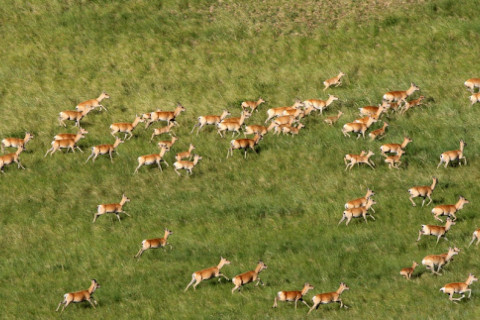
pixel 281 205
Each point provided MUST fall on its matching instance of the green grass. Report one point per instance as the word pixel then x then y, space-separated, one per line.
pixel 281 205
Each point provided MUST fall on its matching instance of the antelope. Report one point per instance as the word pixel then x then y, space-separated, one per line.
pixel 187 165
pixel 16 142
pixel 372 111
pixel 66 143
pixel 395 147
pixel 185 154
pixel 293 295
pixel 233 126
pixel 449 209
pixel 394 161
pixel 366 121
pixel 413 103
pixel 459 287
pixel 325 298
pixel 125 127
pixel 296 113
pixel 308 110
pixel 422 191
pixel 358 212
pixel 360 202
pixel 93 103
pixel 162 130
pixel 358 128
pixel 350 156
pixel 80 296
pixel 475 236
pixel 167 144
pixel 400 96
pixel 362 159
pixel 255 129
pixel 249 276
pixel 472 83
pixel 11 157
pixel 112 208
pixel 154 243
pixel 407 272
pixel 332 120
pixel 474 98
pixel 252 104
pixel 436 231
pixel 208 273
pixel 275 112
pixel 333 81
pixel 73 116
pixel 320 104
pixel 244 144
pixel 439 260
pixel 210 120
pixel 168 116
pixel 79 135
pixel 151 159
pixel 379 132
pixel 104 149
pixel 292 130
pixel 453 155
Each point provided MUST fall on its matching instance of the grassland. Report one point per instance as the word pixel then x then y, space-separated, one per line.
pixel 281 205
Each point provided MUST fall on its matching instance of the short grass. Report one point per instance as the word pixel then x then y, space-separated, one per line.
pixel 281 205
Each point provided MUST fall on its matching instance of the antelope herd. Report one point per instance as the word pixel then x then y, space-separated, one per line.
pixel 286 120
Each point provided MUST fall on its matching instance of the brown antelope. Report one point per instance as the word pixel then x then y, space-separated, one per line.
pixel 241 120
pixel 79 134
pixel 361 159
pixel 187 165
pixel 104 149
pixel 296 113
pixel 116 208
pixel 255 129
pixel 185 154
pixel 358 128
pixel 394 161
pixel 413 103
pixel 125 127
pixel 349 156
pixel 76 116
pixel 93 103
pixel 151 159
pixel 252 104
pixel 379 132
pixel 244 144
pixel 210 120
pixel 275 112
pixel 472 83
pixel 436 231
pixel 332 120
pixel 439 260
pixel 80 296
pixel 360 202
pixel 167 144
pixel 333 81
pixel 293 295
pixel 475 236
pixel 459 287
pixel 16 142
pixel 400 96
pixel 349 214
pixel 249 276
pixel 205 274
pixel 155 243
pixel 366 121
pixel 449 209
pixel 10 158
pixel 325 298
pixel 320 104
pixel 395 147
pixel 234 126
pixel 372 111
pixel 453 155
pixel 422 191
pixel 474 98
pixel 292 130
pixel 162 130
pixel 168 116
pixel 70 144
pixel 407 272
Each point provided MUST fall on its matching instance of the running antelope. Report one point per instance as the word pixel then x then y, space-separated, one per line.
pixel 360 202
pixel 474 98
pixel 78 135
pixel 205 274
pixel 453 155
pixel 151 159
pixel 255 129
pixel 292 130
pixel 394 161
pixel 407 272
pixel 112 208
pixel 459 287
pixel 167 144
pixel 185 154
pixel 10 158
pixel 349 214
pixel 358 128
pixel 240 120
pixel 125 127
pixel 333 81
pixel 293 295
pixel 104 149
pixel 372 111
pixel 332 120
pixel 155 243
pixel 252 104
pixel 395 147
pixel 400 96
pixel 349 156
pixel 436 231
pixel 413 103
pixel 439 260
pixel 275 112
pixel 66 143
pixel 320 104
pixel 422 191
pixel 249 276
pixel 233 126
pixel 379 132
pixel 244 144
pixel 472 83
pixel 162 130
pixel 210 120
pixel 80 296
pixel 449 209
pixel 325 298
pixel 16 142
pixel 187 165
pixel 168 116
pixel 76 116
pixel 361 159
pixel 475 236
pixel 93 103
pixel 366 121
